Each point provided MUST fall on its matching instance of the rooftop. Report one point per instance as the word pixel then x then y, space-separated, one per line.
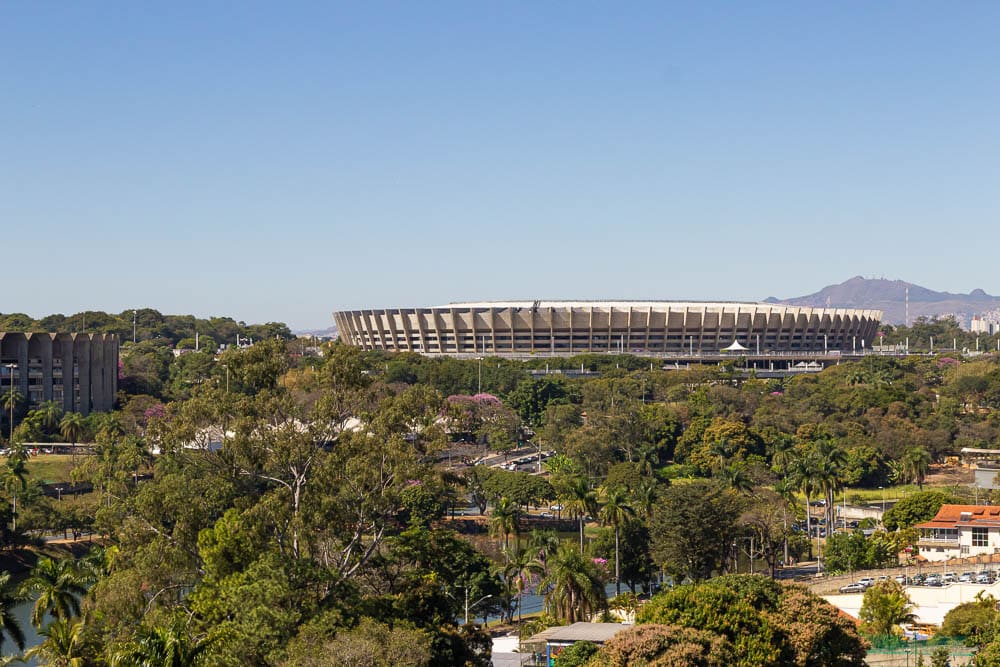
pixel 950 516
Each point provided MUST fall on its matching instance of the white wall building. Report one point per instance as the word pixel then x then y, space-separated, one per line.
pixel 960 531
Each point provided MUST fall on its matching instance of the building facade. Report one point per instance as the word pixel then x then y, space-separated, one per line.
pixel 575 327
pixel 960 531
pixel 77 371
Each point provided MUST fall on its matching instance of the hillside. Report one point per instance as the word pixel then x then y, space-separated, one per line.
pixel 889 296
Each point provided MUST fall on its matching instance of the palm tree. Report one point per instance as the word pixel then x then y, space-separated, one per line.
pixel 736 477
pixel 49 414
pixel 160 647
pixel 915 464
pixel 574 589
pixel 62 645
pixel 9 625
pixel 615 512
pixel 505 519
pixel 580 501
pixel 57 584
pixel 517 573
pixel 644 497
pixel 14 473
pixel 12 402
pixel 802 479
pixel 785 488
pixel 72 426
pixel 828 469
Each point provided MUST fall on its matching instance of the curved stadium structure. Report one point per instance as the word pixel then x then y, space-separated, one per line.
pixel 576 327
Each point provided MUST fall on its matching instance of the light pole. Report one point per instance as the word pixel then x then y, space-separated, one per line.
pixel 883 504
pixel 59 491
pixel 473 605
pixel 134 315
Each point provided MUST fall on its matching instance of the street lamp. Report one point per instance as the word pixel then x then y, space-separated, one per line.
pixel 59 490
pixel 473 605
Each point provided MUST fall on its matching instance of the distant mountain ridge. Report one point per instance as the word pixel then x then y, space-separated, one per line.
pixel 889 296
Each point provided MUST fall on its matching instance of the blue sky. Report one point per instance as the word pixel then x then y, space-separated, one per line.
pixel 280 161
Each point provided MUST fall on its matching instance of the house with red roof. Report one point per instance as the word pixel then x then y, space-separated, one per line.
pixel 960 531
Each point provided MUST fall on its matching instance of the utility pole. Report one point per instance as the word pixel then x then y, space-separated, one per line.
pixel 134 316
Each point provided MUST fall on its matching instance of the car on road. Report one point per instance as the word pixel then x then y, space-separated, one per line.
pixel 856 587
pixel 556 508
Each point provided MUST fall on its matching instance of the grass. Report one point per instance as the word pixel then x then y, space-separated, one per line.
pixel 51 468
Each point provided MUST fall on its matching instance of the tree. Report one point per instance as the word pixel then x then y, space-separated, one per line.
pixel 915 464
pixel 572 585
pixel 169 646
pixel 579 500
pixel 63 645
pixel 884 606
pixel 72 426
pixel 10 627
pixel 58 586
pixel 615 512
pixel 692 529
pixel 576 655
pixel 369 643
pixel 505 519
pixel 657 644
pixel 975 621
pixel 14 473
pixel 913 509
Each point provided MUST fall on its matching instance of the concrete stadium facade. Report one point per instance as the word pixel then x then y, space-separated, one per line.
pixel 575 327
pixel 77 371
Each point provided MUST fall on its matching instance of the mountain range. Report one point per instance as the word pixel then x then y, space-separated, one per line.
pixel 889 296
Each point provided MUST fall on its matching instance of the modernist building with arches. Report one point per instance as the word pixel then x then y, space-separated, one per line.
pixel 77 371
pixel 663 328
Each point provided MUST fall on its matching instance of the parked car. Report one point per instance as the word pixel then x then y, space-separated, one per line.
pixel 856 587
pixel 901 579
pixel 933 580
pixel 984 578
pixel 949 578
pixel 866 582
pixel 966 577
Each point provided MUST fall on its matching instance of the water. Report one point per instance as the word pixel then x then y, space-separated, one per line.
pixel 22 612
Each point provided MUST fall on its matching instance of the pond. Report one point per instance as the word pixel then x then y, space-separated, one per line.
pixel 22 612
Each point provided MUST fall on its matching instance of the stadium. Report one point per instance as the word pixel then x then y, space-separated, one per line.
pixel 655 328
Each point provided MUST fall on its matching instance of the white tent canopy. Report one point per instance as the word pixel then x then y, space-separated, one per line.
pixel 735 347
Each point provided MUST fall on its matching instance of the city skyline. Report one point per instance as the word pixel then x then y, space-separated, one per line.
pixel 272 164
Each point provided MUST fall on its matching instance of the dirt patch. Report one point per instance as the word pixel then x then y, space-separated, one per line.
pixel 942 475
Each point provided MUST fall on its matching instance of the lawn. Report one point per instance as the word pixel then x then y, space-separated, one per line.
pixel 51 468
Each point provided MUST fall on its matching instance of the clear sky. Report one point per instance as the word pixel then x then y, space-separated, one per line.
pixel 278 161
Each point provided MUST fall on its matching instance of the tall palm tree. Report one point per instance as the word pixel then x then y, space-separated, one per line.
pixel 574 589
pixel 14 473
pixel 518 571
pixel 505 519
pixel 828 469
pixel 49 413
pixel 58 585
pixel 72 426
pixel 161 647
pixel 9 625
pixel 736 478
pixel 802 478
pixel 615 512
pixel 580 501
pixel 62 645
pixel 915 464
pixel 12 402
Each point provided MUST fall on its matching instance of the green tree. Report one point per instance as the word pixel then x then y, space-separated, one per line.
pixel 72 427
pixel 913 509
pixel 616 512
pixel 657 644
pixel 58 586
pixel 10 627
pixel 14 478
pixel 884 606
pixel 576 655
pixel 170 646
pixel 63 644
pixel 579 501
pixel 972 621
pixel 693 527
pixel 915 464
pixel 573 588
pixel 505 518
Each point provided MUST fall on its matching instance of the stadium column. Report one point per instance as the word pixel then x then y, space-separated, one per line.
pixel 46 352
pixel 81 349
pixel 22 365
pixel 66 352
pixel 97 373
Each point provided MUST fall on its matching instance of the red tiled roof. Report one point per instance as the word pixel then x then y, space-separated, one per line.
pixel 950 516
